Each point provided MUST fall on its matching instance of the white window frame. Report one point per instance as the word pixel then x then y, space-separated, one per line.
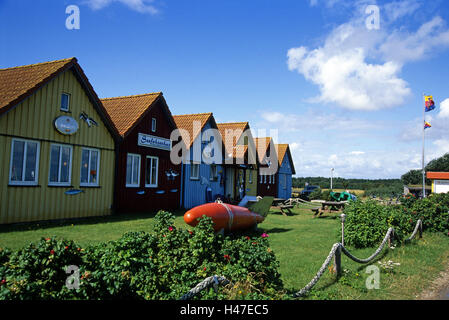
pixel 153 124
pixel 69 183
pixel 68 104
pixel 36 175
pixel 151 167
pixel 90 184
pixel 197 177
pixel 132 185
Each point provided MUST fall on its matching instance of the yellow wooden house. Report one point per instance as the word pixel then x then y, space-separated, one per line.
pixel 57 145
pixel 240 157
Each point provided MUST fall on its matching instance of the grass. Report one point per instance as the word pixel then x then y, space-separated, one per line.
pixel 301 244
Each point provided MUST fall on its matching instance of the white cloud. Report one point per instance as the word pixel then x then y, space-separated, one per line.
pixel 142 6
pixel 444 109
pixel 371 165
pixel 359 69
pixel 399 9
pixel 346 79
pixel 402 46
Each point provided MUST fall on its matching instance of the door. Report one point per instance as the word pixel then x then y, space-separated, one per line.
pixel 229 182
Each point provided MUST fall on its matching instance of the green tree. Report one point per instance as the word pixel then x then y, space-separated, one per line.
pixel 440 164
pixel 412 177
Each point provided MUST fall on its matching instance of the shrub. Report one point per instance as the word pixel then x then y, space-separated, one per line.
pixel 162 265
pixel 38 271
pixel 408 200
pixel 367 223
pixel 315 194
pixel 433 211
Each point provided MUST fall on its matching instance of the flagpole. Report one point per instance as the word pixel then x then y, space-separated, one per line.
pixel 423 140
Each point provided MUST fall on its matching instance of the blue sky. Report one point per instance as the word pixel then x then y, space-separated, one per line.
pixel 343 96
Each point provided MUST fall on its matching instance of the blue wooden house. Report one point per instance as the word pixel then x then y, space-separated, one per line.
pixel 202 177
pixel 285 172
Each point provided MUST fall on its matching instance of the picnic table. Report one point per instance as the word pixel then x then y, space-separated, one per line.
pixel 329 206
pixel 283 205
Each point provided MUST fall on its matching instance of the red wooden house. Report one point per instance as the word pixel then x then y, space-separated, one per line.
pixel 146 178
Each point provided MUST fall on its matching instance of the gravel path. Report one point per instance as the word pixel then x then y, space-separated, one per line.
pixel 439 288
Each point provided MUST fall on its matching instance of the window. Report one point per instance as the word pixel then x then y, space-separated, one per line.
pixel 194 171
pixel 133 170
pixel 264 178
pixel 60 165
pixel 90 163
pixel 153 124
pixel 213 172
pixel 269 179
pixel 151 172
pixel 65 102
pixel 24 165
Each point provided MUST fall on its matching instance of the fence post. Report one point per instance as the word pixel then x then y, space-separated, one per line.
pixel 420 229
pixel 391 238
pixel 343 216
pixel 337 261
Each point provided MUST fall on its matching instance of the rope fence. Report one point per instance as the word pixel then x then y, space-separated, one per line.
pixel 334 253
pixel 339 247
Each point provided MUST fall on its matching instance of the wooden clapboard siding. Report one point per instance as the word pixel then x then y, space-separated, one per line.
pixel 284 178
pixel 194 191
pixel 32 119
pixel 285 172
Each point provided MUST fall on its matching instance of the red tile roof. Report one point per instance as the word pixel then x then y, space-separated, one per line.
pixel 186 122
pixel 438 175
pixel 282 150
pixel 262 145
pixel 126 111
pixel 18 83
pixel 226 131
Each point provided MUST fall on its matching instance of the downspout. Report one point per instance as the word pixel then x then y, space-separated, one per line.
pixel 182 185
pixel 115 188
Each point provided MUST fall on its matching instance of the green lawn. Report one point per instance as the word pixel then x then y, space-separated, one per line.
pixel 301 244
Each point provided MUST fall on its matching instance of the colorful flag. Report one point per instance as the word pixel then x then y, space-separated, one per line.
pixel 430 104
pixel 427 125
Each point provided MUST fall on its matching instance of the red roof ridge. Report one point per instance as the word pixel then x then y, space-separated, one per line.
pixel 40 63
pixel 192 114
pixel 233 122
pixel 133 96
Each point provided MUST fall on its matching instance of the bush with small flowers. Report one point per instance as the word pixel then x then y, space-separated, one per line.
pixel 164 264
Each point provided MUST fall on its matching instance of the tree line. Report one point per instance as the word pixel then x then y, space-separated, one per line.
pixel 440 164
pixel 379 187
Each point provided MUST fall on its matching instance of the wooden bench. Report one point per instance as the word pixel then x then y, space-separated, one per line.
pixel 286 207
pixel 328 206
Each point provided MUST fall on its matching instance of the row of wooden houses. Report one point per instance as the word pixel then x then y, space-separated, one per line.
pixel 65 153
